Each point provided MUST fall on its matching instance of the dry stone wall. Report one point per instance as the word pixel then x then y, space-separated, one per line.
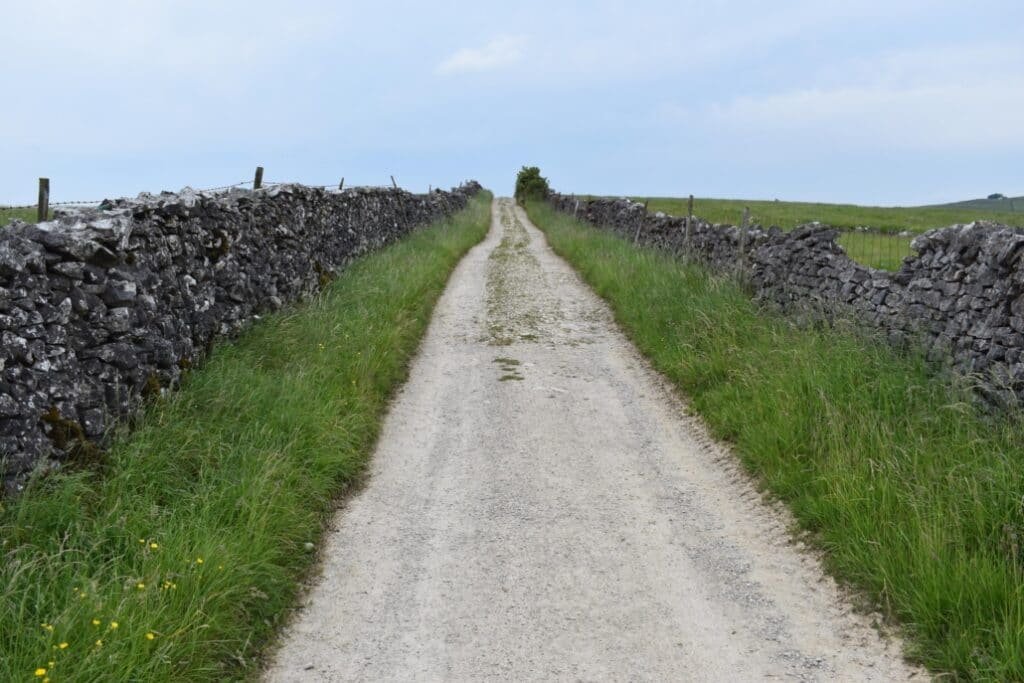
pixel 100 308
pixel 961 295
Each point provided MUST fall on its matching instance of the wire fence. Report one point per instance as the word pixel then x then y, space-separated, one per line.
pixel 884 248
pixel 881 249
pixel 44 204
pixel 94 202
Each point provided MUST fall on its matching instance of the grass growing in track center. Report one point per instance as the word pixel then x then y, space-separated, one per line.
pixel 916 496
pixel 180 559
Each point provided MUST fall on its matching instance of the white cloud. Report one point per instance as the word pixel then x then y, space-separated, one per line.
pixel 927 117
pixel 964 98
pixel 500 52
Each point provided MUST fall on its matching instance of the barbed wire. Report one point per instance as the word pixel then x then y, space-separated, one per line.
pixel 93 202
pixel 243 183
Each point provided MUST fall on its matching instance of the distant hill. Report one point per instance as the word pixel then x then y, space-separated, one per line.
pixel 1003 205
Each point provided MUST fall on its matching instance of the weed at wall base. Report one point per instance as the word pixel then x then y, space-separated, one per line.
pixel 915 496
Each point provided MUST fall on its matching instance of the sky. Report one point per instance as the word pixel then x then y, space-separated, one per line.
pixel 895 102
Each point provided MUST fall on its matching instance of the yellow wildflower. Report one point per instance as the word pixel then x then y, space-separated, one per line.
pixel 154 545
pixel 199 560
pixel 96 622
pixel 40 672
pixel 113 625
pixel 99 643
pixel 48 627
pixel 150 636
pixel 63 646
pixel 140 585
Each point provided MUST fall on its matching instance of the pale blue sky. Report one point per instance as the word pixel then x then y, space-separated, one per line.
pixel 886 102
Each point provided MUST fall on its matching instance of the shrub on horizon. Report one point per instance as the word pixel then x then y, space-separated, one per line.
pixel 530 184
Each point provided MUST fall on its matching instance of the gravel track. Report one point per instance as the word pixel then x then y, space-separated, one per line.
pixel 540 506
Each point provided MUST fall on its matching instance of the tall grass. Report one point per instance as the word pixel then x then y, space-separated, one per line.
pixel 916 496
pixel 178 561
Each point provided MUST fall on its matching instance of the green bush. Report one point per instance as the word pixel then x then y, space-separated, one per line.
pixel 530 184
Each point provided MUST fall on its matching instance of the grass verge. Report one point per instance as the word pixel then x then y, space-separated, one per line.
pixel 916 496
pixel 181 559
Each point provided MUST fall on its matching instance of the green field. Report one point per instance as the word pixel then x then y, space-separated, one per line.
pixel 882 248
pixel 178 559
pixel 7 215
pixel 876 249
pixel 914 494
pixel 788 215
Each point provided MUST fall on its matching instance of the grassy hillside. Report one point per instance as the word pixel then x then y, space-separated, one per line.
pixel 1008 205
pixel 177 561
pixel 915 495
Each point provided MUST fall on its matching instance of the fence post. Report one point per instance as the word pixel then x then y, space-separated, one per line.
pixel 257 181
pixel 689 223
pixel 341 185
pixel 576 209
pixel 43 207
pixel 393 183
pixel 743 234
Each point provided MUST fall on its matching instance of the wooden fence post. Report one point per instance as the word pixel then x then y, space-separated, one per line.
pixel 743 234
pixel 689 223
pixel 43 207
pixel 341 185
pixel 257 181
pixel 393 183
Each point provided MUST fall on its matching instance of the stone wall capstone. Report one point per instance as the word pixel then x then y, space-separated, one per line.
pixel 101 307
pixel 961 295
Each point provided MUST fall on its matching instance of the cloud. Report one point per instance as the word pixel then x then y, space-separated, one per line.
pixel 955 98
pixel 929 117
pixel 500 52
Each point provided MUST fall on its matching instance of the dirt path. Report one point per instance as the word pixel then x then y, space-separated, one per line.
pixel 540 507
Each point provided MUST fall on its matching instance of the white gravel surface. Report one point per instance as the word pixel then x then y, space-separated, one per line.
pixel 540 507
